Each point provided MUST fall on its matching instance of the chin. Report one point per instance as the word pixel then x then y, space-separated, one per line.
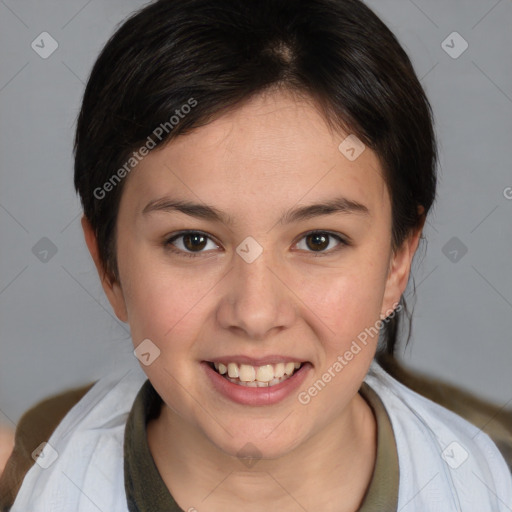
pixel 251 447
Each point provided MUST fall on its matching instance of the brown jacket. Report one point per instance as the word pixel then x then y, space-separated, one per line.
pixel 38 423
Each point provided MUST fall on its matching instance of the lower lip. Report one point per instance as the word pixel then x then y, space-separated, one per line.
pixel 257 396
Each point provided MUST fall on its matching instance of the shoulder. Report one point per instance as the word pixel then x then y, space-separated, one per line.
pixel 491 419
pixel 87 434
pixel 35 427
pixel 436 444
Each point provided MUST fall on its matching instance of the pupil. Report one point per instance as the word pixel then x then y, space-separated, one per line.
pixel 188 238
pixel 320 237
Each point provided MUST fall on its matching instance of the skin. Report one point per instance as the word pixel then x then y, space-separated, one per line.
pixel 269 155
pixel 6 445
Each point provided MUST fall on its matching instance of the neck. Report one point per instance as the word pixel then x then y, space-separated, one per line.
pixel 331 471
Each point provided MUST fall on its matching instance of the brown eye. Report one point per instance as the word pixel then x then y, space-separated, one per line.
pixel 319 241
pixel 194 242
pixel 191 243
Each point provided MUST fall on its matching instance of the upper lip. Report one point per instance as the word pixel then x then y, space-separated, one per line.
pixel 256 361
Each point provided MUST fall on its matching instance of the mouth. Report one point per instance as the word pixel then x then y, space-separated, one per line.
pixel 247 375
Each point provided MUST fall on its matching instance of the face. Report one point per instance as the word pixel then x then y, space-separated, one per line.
pixel 258 284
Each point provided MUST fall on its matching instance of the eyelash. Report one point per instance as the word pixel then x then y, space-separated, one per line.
pixel 168 243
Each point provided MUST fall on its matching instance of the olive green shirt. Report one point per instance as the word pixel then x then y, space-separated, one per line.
pixel 146 491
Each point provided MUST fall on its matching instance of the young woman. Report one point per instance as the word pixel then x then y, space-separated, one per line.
pixel 255 177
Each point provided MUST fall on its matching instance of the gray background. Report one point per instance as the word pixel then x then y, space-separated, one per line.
pixel 56 326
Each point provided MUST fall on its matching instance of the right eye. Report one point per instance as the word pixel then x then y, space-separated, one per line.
pixel 191 240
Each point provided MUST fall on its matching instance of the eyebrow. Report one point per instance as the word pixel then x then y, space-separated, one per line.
pixel 207 212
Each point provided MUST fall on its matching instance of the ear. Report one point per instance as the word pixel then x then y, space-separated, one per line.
pixel 400 267
pixel 110 286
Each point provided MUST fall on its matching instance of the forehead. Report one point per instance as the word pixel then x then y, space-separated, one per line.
pixel 274 149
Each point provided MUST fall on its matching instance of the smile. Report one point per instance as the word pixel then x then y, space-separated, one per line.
pixel 279 380
pixel 256 376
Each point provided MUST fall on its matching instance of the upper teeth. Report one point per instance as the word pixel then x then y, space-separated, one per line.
pixel 249 373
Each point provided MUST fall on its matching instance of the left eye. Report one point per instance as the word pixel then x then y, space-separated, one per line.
pixel 320 240
pixel 193 242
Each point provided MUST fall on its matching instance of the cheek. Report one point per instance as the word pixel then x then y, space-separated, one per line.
pixel 160 303
pixel 346 301
pixel 161 307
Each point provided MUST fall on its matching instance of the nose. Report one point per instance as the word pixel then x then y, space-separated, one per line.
pixel 257 299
